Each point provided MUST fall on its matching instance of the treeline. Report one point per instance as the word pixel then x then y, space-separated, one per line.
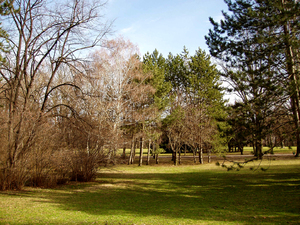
pixel 66 109
pixel 71 98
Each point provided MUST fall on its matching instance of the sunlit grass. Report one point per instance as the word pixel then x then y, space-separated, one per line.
pixel 247 150
pixel 165 194
pixel 277 150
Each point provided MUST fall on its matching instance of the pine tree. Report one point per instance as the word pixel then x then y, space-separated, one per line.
pixel 154 69
pixel 5 7
pixel 196 90
pixel 251 42
pixel 155 65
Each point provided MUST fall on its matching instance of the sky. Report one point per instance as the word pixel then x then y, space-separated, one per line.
pixel 165 25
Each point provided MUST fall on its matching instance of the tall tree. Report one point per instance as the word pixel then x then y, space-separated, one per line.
pixel 119 93
pixel 154 66
pixel 196 88
pixel 249 40
pixel 175 130
pixel 46 38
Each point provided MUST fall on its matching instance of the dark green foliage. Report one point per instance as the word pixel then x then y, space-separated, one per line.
pixel 196 89
pixel 5 7
pixel 155 65
pixel 251 41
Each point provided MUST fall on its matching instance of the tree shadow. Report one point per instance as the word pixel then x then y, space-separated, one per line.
pixel 248 198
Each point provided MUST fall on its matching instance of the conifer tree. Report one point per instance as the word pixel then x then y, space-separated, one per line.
pixel 154 69
pixel 253 42
pixel 196 90
pixel 5 7
pixel 155 64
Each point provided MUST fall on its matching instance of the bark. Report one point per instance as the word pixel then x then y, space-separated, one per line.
pixel 153 143
pixel 258 149
pixel 130 160
pixel 194 155
pixel 295 110
pixel 241 149
pixel 201 155
pixel 295 98
pixel 148 154
pixel 133 150
pixel 209 156
pixel 155 154
pixel 124 152
pixel 141 151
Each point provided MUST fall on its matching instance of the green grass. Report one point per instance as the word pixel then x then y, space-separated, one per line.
pixel 277 150
pixel 160 194
pixel 247 150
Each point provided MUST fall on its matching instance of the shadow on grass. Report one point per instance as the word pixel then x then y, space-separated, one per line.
pixel 238 197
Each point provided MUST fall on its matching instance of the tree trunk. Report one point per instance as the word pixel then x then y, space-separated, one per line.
pixel 297 126
pixel 155 153
pixel 148 154
pixel 134 150
pixel 179 157
pixel 229 147
pixel 295 92
pixel 258 149
pixel 194 155
pixel 208 156
pixel 175 158
pixel 130 160
pixel 241 149
pixel 124 152
pixel 201 155
pixel 141 151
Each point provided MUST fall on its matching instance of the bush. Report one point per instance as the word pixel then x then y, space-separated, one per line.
pixel 13 178
pixel 45 168
pixel 84 165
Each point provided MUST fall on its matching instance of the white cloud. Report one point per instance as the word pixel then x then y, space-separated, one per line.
pixel 127 30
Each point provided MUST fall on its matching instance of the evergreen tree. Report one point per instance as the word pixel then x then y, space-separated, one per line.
pixel 196 90
pixel 5 7
pixel 251 42
pixel 154 68
pixel 155 65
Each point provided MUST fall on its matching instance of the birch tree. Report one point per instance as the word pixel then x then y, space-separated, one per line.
pixel 118 90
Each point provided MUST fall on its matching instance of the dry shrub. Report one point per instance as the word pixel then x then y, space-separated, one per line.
pixel 61 166
pixel 43 169
pixel 84 165
pixel 13 178
pixel 46 163
pixel 49 168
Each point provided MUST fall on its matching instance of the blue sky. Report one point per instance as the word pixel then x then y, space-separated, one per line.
pixel 166 25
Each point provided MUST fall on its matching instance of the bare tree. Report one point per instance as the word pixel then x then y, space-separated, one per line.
pixel 47 39
pixel 200 129
pixel 117 89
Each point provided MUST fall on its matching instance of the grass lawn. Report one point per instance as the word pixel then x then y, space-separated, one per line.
pixel 247 151
pixel 165 194
pixel 277 150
